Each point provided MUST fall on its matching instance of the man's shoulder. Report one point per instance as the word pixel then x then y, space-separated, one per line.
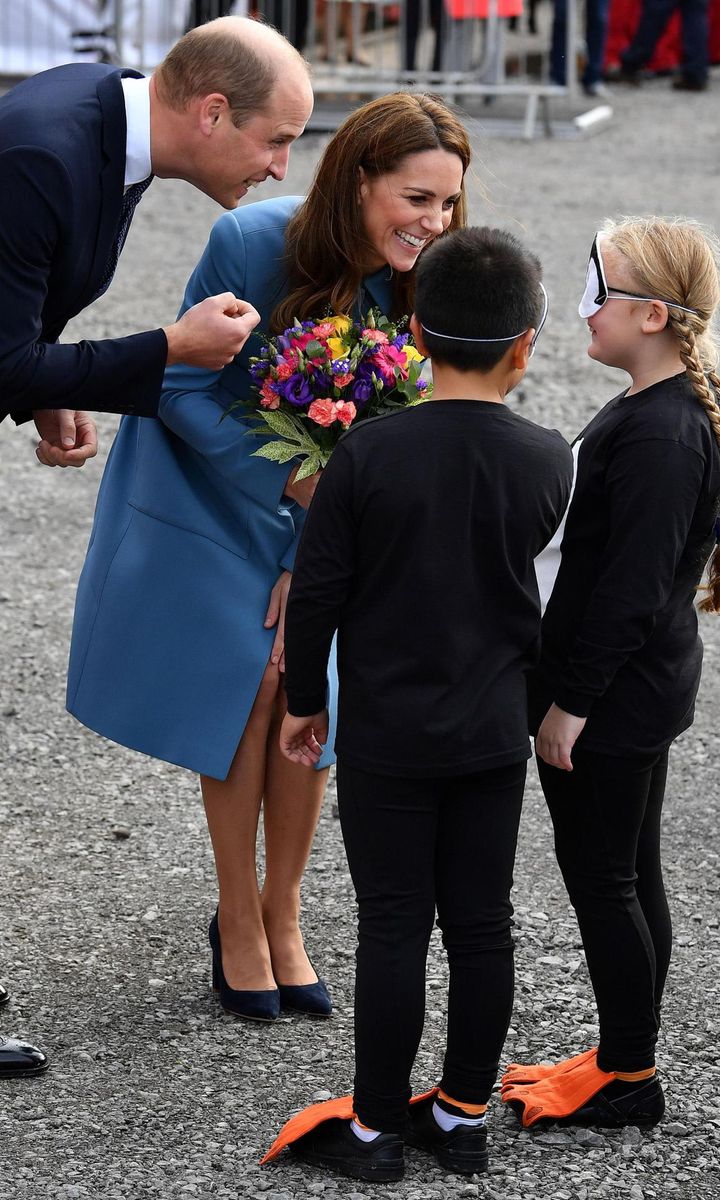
pixel 62 107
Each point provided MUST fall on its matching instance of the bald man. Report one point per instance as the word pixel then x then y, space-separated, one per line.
pixel 78 145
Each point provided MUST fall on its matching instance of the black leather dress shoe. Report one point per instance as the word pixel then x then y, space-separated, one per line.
pixel 689 83
pixel 4 995
pixel 334 1146
pixel 19 1058
pixel 462 1150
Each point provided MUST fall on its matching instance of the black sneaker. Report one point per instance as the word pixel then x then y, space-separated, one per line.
pixel 462 1150
pixel 334 1145
pixel 620 1103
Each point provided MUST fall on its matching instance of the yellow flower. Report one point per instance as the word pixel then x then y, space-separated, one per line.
pixel 342 324
pixel 337 348
pixel 412 355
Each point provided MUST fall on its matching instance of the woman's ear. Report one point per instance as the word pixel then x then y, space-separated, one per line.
pixel 362 184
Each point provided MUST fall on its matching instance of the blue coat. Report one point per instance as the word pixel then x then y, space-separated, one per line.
pixel 190 535
pixel 62 170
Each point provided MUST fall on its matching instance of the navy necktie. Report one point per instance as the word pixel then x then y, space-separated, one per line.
pixel 127 208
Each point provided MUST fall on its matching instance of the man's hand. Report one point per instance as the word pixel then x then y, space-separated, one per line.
pixel 556 737
pixel 275 615
pixel 212 332
pixel 303 491
pixel 302 738
pixel 68 438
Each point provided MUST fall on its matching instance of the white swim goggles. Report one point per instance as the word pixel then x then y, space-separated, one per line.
pixel 451 337
pixel 598 293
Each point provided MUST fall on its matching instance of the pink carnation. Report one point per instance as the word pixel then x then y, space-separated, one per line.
pixel 323 412
pixel 268 398
pixel 324 330
pixel 283 371
pixel 345 412
pixel 376 336
pixel 342 381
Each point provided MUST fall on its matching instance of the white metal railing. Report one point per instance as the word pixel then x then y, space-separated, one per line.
pixel 456 48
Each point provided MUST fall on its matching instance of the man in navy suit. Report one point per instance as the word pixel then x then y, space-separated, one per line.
pixel 78 144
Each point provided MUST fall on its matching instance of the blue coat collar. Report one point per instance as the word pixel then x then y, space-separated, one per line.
pixel 378 289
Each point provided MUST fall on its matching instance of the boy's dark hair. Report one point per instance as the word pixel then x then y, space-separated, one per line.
pixel 476 282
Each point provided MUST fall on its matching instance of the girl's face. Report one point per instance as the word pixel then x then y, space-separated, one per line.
pixel 615 330
pixel 404 210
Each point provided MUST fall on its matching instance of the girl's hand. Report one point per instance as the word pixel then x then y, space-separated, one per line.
pixel 302 738
pixel 556 737
pixel 276 616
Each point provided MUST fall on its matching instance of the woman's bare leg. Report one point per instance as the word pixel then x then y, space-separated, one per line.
pixel 293 798
pixel 232 807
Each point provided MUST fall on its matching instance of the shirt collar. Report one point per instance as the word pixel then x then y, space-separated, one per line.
pixel 136 93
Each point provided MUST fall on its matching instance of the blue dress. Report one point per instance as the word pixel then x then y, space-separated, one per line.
pixel 190 536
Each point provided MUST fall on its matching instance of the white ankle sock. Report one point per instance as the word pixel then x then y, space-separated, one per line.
pixel 365 1135
pixel 447 1121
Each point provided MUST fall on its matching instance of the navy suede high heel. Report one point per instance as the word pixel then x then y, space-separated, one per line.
pixel 263 1005
pixel 313 999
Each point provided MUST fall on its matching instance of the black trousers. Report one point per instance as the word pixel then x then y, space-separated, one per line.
pixel 606 813
pixel 415 846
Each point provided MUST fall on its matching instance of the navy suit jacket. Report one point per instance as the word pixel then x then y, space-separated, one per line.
pixel 62 172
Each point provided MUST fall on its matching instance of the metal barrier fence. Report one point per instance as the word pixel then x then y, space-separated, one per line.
pixel 456 48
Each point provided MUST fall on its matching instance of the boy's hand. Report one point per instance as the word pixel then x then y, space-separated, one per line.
pixel 556 737
pixel 302 738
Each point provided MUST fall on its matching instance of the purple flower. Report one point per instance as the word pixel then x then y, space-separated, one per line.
pixel 401 340
pixel 421 385
pixel 296 390
pixel 362 390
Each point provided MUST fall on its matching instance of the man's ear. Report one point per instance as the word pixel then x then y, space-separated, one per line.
pixel 211 110
pixel 416 330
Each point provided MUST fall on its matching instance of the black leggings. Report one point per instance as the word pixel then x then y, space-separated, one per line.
pixel 414 845
pixel 606 813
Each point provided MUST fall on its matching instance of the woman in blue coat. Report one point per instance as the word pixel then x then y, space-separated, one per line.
pixel 178 635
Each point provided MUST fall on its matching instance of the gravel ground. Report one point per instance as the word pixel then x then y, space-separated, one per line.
pixel 107 878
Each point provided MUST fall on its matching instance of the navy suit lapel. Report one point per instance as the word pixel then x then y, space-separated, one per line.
pixel 111 174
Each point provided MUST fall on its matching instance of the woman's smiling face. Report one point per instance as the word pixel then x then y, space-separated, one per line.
pixel 404 210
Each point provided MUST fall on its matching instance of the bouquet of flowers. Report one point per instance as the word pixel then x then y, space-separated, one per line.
pixel 319 377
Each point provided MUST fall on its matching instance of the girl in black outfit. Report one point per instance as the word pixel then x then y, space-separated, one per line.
pixel 621 655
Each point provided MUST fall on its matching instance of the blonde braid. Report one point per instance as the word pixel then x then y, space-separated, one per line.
pixel 706 394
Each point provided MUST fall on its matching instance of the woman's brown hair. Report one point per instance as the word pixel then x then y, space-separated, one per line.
pixel 679 260
pixel 326 240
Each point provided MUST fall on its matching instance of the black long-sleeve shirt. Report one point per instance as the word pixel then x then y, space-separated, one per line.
pixel 418 548
pixel 619 637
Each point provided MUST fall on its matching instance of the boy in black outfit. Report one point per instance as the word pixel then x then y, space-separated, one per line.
pixel 418 549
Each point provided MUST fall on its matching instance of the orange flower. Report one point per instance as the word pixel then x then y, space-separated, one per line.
pixel 345 412
pixel 323 412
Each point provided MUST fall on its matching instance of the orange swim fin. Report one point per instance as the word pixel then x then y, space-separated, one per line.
pixel 307 1119
pixel 310 1118
pixel 533 1073
pixel 557 1096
